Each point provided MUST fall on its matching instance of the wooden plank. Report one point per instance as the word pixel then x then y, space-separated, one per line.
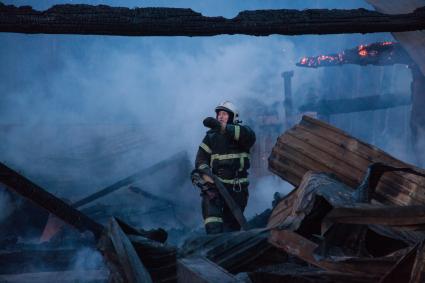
pixel 127 256
pixel 283 209
pixel 358 162
pixel 236 251
pixel 288 158
pixel 29 190
pixel 159 235
pixel 337 194
pixel 294 274
pixel 286 172
pixel 316 196
pixel 403 217
pixel 345 162
pixel 367 151
pixel 303 248
pixel 295 158
pixel 69 276
pixel 356 147
pixel 315 145
pixel 105 20
pixel 407 184
pixel 159 259
pixel 320 159
pixel 202 270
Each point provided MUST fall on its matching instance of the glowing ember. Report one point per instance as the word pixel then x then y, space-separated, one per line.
pixel 380 53
pixel 387 43
pixel 363 52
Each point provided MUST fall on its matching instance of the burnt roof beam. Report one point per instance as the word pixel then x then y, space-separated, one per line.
pixel 106 20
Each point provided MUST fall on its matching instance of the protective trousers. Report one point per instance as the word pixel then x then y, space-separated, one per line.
pixel 218 217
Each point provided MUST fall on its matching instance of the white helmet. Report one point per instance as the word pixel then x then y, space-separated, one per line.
pixel 230 108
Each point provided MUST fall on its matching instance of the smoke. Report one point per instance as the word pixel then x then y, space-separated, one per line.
pixel 88 259
pixel 81 112
pixel 6 205
pixel 261 194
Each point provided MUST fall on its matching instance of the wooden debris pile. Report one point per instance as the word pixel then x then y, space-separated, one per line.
pixel 129 254
pixel 356 215
pixel 356 211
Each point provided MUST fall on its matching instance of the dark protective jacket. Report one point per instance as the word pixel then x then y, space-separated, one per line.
pixel 227 154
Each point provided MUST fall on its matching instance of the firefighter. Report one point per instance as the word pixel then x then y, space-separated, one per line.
pixel 224 152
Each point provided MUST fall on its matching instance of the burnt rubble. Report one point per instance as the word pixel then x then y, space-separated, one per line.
pixel 355 215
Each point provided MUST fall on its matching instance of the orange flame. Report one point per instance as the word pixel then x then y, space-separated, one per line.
pixel 363 52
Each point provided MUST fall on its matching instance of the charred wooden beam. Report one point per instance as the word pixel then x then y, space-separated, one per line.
pixel 105 20
pixel 159 235
pixel 303 248
pixel 317 195
pixel 402 217
pixel 283 209
pixel 357 104
pixel 201 270
pixel 379 54
pixel 305 274
pixel 412 41
pixel 29 190
pixel 305 214
pixel 127 256
pixel 178 158
pixel 159 259
pixel 140 191
pixel 236 251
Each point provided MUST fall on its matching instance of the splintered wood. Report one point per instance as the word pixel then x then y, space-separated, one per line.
pixel 329 221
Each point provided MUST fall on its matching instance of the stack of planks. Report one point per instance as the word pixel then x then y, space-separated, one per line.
pixel 317 146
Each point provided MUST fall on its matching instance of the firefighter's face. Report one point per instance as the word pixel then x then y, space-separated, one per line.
pixel 223 117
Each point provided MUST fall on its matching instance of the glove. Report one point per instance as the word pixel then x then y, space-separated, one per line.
pixel 212 123
pixel 199 181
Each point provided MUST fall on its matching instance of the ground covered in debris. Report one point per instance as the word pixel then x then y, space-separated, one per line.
pixel 355 215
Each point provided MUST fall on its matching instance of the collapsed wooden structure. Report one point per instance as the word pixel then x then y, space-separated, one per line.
pixel 356 215
pixel 356 210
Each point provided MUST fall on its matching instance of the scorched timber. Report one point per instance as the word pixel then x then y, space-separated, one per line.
pixel 377 54
pixel 105 20
pixel 134 269
pixel 303 248
pixel 317 146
